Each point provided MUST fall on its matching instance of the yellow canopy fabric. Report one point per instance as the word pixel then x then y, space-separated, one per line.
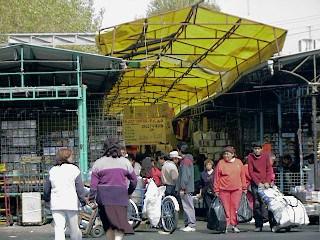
pixel 184 57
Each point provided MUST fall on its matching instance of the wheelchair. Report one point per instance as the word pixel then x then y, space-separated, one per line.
pixel 169 214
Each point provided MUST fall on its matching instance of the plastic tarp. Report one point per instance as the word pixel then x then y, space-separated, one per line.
pixel 185 56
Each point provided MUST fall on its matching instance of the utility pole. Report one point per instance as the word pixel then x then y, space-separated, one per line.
pixel 314 125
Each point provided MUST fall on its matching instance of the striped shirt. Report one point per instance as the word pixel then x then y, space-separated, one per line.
pixel 109 181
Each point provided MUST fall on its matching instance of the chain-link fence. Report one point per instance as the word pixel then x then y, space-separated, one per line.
pixel 31 136
pixel 288 180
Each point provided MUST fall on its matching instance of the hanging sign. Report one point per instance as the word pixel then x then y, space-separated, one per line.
pixel 140 131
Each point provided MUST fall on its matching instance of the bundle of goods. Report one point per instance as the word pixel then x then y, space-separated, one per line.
pixel 287 211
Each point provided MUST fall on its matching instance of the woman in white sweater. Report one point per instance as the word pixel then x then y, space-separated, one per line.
pixel 64 190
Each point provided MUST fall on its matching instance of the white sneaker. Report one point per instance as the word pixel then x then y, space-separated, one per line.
pixel 235 229
pixel 163 232
pixel 252 221
pixel 188 229
pixel 274 229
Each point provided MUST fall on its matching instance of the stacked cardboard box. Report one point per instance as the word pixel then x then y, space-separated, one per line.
pixel 53 141
pixel 211 143
pixel 99 130
pixel 18 139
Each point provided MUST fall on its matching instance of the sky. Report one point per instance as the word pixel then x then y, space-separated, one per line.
pixel 300 17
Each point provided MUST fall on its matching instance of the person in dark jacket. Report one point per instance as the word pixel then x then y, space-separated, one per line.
pixel 109 188
pixel 206 185
pixel 185 186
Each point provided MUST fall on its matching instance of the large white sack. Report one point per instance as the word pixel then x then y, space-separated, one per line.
pixel 152 203
pixel 288 211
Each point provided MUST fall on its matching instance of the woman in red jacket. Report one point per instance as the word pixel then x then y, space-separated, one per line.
pixel 229 183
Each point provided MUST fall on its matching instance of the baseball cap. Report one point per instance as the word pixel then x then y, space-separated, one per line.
pixel 174 154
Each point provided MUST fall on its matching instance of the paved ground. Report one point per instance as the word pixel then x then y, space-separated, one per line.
pixel 46 232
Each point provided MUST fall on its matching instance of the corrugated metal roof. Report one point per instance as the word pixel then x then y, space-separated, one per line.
pixel 99 72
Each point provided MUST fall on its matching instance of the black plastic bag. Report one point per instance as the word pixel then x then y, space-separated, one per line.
pixel 217 217
pixel 245 212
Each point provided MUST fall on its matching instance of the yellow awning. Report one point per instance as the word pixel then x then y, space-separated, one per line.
pixel 184 57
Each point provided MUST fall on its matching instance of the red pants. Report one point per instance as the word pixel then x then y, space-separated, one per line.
pixel 231 203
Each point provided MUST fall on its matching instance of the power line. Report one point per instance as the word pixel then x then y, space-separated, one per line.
pixel 305 26
pixel 312 30
pixel 294 20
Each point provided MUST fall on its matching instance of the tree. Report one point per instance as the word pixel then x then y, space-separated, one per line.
pixel 25 16
pixel 156 7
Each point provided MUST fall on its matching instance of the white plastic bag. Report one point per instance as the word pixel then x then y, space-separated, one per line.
pixel 152 203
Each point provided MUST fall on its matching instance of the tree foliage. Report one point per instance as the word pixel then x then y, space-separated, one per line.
pixel 36 16
pixel 25 16
pixel 160 6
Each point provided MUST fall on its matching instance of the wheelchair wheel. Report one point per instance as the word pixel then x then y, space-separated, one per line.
pixel 133 214
pixel 169 216
pixel 97 231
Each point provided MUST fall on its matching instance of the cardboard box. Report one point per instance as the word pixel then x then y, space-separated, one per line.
pixel 202 150
pixel 46 151
pixel 201 143
pixel 315 196
pixel 210 156
pixel 210 149
pixel 221 143
pixel 31 208
pixel 4 125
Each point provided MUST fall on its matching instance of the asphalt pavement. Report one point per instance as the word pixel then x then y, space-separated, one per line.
pixel 311 232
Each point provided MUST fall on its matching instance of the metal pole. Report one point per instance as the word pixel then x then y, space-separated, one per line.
pixel 80 133
pixel 255 120
pixel 239 127
pixel 85 131
pixel 261 128
pixel 78 75
pixel 300 136
pixel 22 67
pixel 314 125
pixel 82 123
pixel 314 132
pixel 280 141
